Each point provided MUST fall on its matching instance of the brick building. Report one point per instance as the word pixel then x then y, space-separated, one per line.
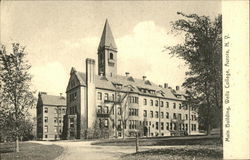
pixel 50 112
pixel 110 105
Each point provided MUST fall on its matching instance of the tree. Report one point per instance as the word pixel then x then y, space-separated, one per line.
pixel 202 53
pixel 17 96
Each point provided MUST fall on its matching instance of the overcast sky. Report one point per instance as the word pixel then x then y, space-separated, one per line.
pixel 59 35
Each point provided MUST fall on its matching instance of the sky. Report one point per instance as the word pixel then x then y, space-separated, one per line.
pixel 59 35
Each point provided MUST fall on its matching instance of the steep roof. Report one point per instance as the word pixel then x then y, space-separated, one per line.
pixel 107 39
pixel 134 85
pixel 52 100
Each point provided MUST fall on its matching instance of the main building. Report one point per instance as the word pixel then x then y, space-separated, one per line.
pixel 110 105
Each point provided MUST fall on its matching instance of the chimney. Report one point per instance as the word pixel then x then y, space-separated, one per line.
pixel 144 78
pixel 165 85
pixel 127 73
pixel 60 94
pixel 88 112
pixel 90 70
pixel 177 88
pixel 169 87
pixel 160 86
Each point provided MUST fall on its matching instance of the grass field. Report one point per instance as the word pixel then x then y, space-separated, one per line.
pixel 161 141
pixel 179 148
pixel 29 151
pixel 189 152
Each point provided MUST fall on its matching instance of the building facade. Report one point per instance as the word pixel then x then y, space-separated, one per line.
pixel 110 105
pixel 50 112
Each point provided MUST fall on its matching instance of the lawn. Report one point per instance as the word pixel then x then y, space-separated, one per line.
pixel 189 152
pixel 161 141
pixel 173 148
pixel 29 151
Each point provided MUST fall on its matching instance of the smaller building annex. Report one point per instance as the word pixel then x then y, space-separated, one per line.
pixel 50 112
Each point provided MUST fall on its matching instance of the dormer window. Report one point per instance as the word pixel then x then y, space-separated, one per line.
pixel 111 56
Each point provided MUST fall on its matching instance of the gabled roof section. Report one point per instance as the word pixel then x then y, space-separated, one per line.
pixel 52 100
pixel 137 86
pixel 107 39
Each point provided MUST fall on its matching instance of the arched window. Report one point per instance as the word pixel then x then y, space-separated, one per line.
pixel 111 56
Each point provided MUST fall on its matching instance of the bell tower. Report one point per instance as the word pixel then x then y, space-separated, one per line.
pixel 107 53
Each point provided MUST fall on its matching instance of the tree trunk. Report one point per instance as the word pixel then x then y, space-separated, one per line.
pixel 17 144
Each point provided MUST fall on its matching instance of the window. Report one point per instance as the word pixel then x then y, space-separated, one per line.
pixel 119 110
pixel 161 103
pixel 106 96
pixel 60 120
pixel 174 105
pixel 55 119
pixel 46 119
pixel 186 116
pixel 174 116
pixel 111 55
pixel 63 111
pixel 171 126
pixel 186 126
pixel 156 125
pixel 145 101
pixel 167 126
pixel 156 114
pixel 99 96
pixel 167 115
pixel 99 109
pixel 194 127
pixel 119 124
pixel 106 123
pixel 71 123
pixel 46 110
pixel 162 115
pixel 145 113
pixel 179 116
pixel 151 114
pixel 106 109
pixel 55 111
pixel 180 106
pixel 46 129
pixel 72 110
pixel 113 123
pixel 167 104
pixel 133 99
pixel 162 126
pixel 151 102
pixel 72 97
pixel 174 126
pixel 55 129
pixel 156 102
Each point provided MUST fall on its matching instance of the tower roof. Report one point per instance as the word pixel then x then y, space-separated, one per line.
pixel 107 39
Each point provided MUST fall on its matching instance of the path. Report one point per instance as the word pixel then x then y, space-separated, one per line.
pixel 83 150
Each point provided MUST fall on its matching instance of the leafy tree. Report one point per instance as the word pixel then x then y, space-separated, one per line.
pixel 202 53
pixel 16 94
